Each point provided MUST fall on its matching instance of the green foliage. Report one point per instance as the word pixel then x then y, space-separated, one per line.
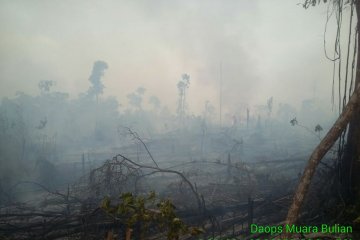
pixel 148 210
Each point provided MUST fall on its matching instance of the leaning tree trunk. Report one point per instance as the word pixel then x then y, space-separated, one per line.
pixel 324 146
pixel 351 157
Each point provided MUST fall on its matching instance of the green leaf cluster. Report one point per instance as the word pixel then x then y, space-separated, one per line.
pixel 146 211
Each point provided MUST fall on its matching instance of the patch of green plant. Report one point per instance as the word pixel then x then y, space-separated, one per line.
pixel 145 211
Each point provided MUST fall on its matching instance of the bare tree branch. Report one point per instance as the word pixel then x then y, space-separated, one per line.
pixel 137 137
pixel 157 169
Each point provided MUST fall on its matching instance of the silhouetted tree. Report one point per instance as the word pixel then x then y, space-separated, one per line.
pixel 182 85
pixel 95 78
pixel 270 105
pixel 155 102
pixel 45 85
pixel 135 98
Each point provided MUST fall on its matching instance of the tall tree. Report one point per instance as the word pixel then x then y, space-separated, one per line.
pixel 349 119
pixel 95 78
pixel 155 102
pixel 135 99
pixel 351 158
pixel 182 85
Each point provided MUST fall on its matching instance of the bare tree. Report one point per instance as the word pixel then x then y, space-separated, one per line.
pixel 182 85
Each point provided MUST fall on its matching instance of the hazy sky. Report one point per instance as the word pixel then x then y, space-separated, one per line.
pixel 267 48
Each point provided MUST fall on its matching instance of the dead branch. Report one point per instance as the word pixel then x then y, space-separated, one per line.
pixel 137 137
pixel 157 169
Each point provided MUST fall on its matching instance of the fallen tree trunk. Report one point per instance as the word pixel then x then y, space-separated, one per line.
pixel 324 146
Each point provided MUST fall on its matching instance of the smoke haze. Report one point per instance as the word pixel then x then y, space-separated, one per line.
pixel 260 45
